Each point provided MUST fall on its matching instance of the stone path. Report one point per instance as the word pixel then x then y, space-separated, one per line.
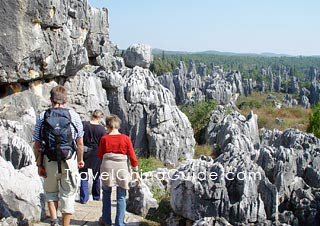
pixel 89 214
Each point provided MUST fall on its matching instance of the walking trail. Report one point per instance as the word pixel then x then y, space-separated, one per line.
pixel 89 214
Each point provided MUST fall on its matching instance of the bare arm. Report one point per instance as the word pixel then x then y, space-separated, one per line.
pixel 37 154
pixel 39 160
pixel 80 152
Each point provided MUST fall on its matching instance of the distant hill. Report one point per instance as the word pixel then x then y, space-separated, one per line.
pixel 214 52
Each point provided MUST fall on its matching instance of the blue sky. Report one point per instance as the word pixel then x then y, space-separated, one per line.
pixel 243 26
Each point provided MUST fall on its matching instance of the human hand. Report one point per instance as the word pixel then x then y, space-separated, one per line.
pixel 42 171
pixel 80 164
pixel 136 178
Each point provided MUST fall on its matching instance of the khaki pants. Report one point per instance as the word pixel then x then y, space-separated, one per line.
pixel 62 185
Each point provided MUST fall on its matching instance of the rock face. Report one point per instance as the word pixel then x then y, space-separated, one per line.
pixel 13 148
pixel 20 193
pixel 86 93
pixel 141 200
pixel 138 55
pixel 314 95
pixel 190 87
pixel 167 81
pixel 212 221
pixel 42 39
pixel 289 101
pixel 186 82
pixel 46 43
pixel 269 179
pixel 151 118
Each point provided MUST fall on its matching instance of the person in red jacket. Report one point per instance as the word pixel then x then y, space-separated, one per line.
pixel 114 150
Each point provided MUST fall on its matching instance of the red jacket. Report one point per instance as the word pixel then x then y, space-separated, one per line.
pixel 118 144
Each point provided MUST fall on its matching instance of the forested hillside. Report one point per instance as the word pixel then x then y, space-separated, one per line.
pixel 250 66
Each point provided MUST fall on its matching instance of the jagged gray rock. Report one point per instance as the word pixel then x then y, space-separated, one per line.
pixel 150 116
pixel 212 221
pixel 271 81
pixel 202 69
pixel 187 84
pixel 314 95
pixel 277 85
pixel 248 87
pixel 167 81
pixel 287 163
pixel 141 200
pixel 50 39
pixel 13 148
pixel 22 202
pixel 85 93
pixel 304 102
pixel 138 55
pixel 292 164
pixel 97 39
pixel 289 101
pixel 294 85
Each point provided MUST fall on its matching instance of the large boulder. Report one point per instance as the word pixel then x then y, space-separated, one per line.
pixel 151 118
pixel 13 148
pixel 141 200
pixel 222 87
pixel 21 193
pixel 138 55
pixel 187 84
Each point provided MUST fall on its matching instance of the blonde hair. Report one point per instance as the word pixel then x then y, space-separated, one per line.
pixel 58 95
pixel 97 114
pixel 113 122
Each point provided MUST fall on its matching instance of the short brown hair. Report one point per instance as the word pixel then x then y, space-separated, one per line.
pixel 113 122
pixel 96 114
pixel 58 95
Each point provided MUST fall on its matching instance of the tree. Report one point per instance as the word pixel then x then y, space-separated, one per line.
pixel 314 121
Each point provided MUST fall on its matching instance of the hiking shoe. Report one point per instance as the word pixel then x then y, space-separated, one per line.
pixel 54 222
pixel 102 223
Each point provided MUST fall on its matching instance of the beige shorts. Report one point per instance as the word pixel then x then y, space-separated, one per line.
pixel 61 186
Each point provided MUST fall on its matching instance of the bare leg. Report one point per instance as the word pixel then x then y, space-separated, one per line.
pixel 66 217
pixel 53 206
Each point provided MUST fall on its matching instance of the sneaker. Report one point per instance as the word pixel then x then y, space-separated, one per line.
pixel 102 223
pixel 54 222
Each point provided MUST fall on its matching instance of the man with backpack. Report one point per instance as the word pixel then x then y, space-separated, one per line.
pixel 58 149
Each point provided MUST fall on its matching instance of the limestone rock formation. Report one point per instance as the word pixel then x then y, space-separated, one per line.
pixel 167 81
pixel 46 43
pixel 294 86
pixel 138 55
pixel 272 179
pixel 277 85
pixel 141 200
pixel 212 221
pixel 20 193
pixel 50 38
pixel 151 118
pixel 187 83
pixel 289 101
pixel 86 93
pixel 314 95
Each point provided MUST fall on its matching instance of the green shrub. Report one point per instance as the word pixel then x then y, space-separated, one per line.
pixel 199 116
pixel 149 164
pixel 164 209
pixel 314 121
pixel 205 149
